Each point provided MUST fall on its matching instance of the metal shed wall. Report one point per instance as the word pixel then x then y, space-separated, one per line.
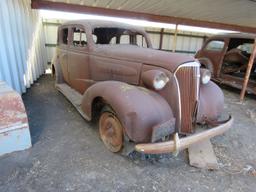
pixel 187 42
pixel 22 50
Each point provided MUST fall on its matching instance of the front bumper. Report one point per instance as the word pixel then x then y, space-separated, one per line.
pixel 178 144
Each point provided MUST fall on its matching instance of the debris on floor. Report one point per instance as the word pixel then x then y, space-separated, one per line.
pixel 201 155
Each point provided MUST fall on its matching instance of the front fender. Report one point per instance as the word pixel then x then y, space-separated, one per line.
pixel 211 102
pixel 138 109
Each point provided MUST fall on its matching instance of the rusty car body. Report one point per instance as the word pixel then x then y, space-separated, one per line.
pixel 151 98
pixel 227 57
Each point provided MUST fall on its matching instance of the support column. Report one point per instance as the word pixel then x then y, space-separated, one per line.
pixel 248 71
pixel 175 39
pixel 161 38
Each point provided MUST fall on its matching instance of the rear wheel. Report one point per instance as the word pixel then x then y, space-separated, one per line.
pixel 111 131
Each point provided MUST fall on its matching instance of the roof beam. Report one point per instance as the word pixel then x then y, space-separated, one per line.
pixel 76 8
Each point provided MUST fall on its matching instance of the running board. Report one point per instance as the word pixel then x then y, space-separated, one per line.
pixel 73 96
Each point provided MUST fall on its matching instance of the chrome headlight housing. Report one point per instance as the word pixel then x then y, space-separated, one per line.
pixel 155 79
pixel 205 76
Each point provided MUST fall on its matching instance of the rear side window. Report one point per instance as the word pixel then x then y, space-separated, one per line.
pixel 215 45
pixel 141 41
pixel 124 39
pixel 64 36
pixel 113 40
pixel 79 37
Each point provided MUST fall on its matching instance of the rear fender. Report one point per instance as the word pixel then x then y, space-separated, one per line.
pixel 138 109
pixel 56 69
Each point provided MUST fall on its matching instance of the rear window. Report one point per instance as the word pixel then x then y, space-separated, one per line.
pixel 215 45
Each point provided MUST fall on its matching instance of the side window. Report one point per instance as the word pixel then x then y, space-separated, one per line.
pixel 113 41
pixel 64 36
pixel 215 45
pixel 124 39
pixel 95 38
pixel 79 37
pixel 141 41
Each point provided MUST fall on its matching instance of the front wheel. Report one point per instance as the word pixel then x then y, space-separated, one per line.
pixel 111 131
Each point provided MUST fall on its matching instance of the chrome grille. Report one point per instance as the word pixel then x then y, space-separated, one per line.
pixel 188 80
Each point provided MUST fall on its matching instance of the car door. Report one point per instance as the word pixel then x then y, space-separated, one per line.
pixel 214 50
pixel 63 39
pixel 78 59
pixel 107 64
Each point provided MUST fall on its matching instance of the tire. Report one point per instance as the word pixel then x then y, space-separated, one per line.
pixel 111 130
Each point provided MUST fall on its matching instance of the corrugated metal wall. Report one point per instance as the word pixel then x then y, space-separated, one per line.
pixel 50 31
pixel 22 44
pixel 186 43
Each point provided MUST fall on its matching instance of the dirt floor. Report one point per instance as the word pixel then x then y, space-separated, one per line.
pixel 67 154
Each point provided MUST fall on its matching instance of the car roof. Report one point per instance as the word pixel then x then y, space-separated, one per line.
pixel 99 23
pixel 235 35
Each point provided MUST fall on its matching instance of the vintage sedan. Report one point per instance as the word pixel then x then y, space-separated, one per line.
pixel 153 99
pixel 227 57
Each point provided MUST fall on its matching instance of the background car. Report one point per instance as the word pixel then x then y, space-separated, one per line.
pixel 227 57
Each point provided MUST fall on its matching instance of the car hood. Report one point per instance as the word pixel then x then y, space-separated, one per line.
pixel 167 60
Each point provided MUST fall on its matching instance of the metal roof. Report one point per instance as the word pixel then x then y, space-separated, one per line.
pixel 230 12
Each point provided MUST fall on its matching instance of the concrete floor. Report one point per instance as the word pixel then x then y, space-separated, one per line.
pixel 67 154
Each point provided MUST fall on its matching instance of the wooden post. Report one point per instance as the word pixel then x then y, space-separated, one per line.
pixel 204 38
pixel 248 71
pixel 175 39
pixel 161 38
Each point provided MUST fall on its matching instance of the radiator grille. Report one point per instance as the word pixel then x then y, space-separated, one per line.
pixel 188 80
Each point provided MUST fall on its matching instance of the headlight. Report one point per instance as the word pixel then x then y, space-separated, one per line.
pixel 160 81
pixel 155 79
pixel 205 76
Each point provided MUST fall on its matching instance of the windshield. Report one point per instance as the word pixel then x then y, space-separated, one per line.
pixel 115 36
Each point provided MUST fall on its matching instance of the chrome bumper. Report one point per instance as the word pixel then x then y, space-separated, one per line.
pixel 178 144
